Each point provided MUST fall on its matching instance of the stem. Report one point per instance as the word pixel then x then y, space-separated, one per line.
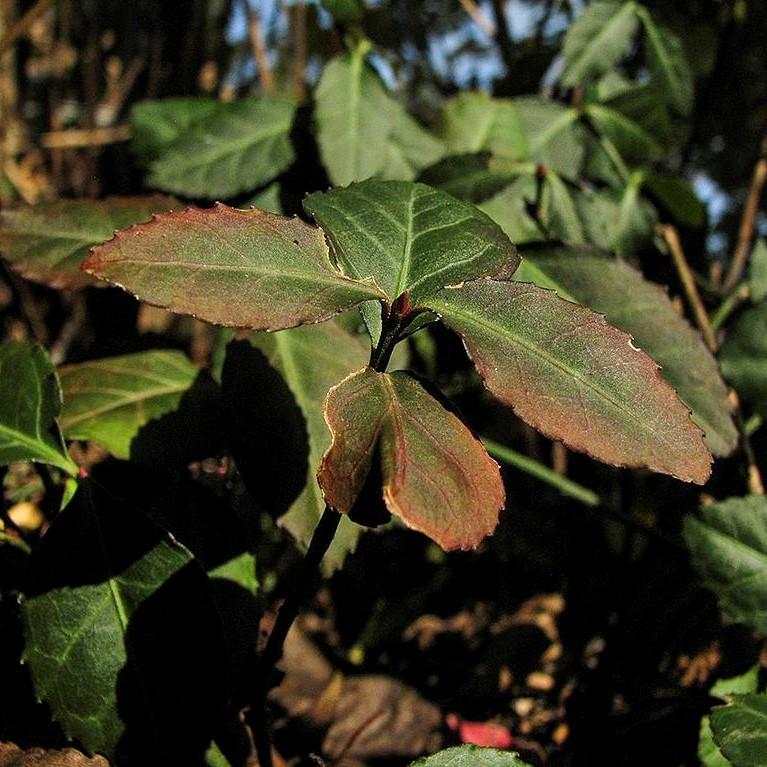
pixel 544 473
pixel 728 306
pixel 747 222
pixel 687 279
pixel 321 540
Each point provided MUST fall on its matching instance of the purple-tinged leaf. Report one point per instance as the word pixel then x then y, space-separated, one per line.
pixel 435 474
pixel 240 268
pixel 47 242
pixel 574 377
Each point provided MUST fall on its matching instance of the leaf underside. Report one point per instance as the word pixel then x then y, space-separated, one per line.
pixel 241 268
pixel 436 476
pixel 471 756
pixel 572 376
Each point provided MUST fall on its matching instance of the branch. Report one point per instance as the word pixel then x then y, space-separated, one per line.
pixel 23 24
pixel 746 232
pixel 671 236
pixel 502 34
pixel 479 18
pixel 256 35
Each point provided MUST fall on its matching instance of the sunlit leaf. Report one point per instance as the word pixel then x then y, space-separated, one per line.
pixel 668 63
pixel 117 617
pixel 47 242
pixel 471 756
pixel 740 730
pixel 598 39
pixel 552 134
pixel 109 400
pixel 361 130
pixel 409 237
pixel 30 402
pixel 240 146
pixel 572 376
pixel 230 267
pixel 639 307
pixel 728 544
pixel 431 471
pixel 474 122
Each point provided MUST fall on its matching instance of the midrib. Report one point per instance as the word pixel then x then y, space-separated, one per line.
pixel 404 273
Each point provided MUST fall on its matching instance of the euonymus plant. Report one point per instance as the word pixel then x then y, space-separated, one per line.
pixel 419 227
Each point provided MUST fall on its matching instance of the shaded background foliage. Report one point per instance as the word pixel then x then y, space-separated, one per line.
pixel 622 571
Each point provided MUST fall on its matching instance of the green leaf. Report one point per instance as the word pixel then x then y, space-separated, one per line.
pixel 155 125
pixel 117 620
pixel 47 242
pixel 509 209
pixel 757 278
pixel 598 40
pixel 728 545
pixel 740 730
pixel 744 355
pixel 636 220
pixel 311 360
pixel 573 377
pixel 474 122
pixel 598 211
pixel 677 197
pixel 642 309
pixel 552 134
pixel 267 199
pixel 708 751
pixel 362 131
pixel 633 142
pixel 471 756
pixel 344 11
pixel 409 237
pixel 410 147
pixel 109 400
pixel 394 439
pixel 474 177
pixel 242 145
pixel 230 267
pixel 560 211
pixel 668 63
pixel 30 402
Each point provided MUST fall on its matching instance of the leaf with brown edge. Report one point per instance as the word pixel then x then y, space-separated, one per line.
pixel 574 377
pixel 240 268
pixel 436 476
pixel 47 242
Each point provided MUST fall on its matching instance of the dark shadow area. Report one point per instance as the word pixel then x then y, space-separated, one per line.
pixel 266 428
pixel 168 698
pixel 192 432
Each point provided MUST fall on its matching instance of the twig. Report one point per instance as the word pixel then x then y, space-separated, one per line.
pixel 478 17
pixel 70 330
pixel 23 24
pixel 502 35
pixel 729 305
pixel 671 236
pixel 754 478
pixel 746 231
pixel 256 35
pixel 78 138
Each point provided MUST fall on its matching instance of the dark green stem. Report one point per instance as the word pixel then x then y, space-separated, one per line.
pixel 321 540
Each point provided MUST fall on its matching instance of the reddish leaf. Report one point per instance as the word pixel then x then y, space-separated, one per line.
pixel 241 268
pixel 574 377
pixel 47 242
pixel 435 474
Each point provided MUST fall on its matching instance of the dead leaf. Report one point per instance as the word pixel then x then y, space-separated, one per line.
pixel 13 756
